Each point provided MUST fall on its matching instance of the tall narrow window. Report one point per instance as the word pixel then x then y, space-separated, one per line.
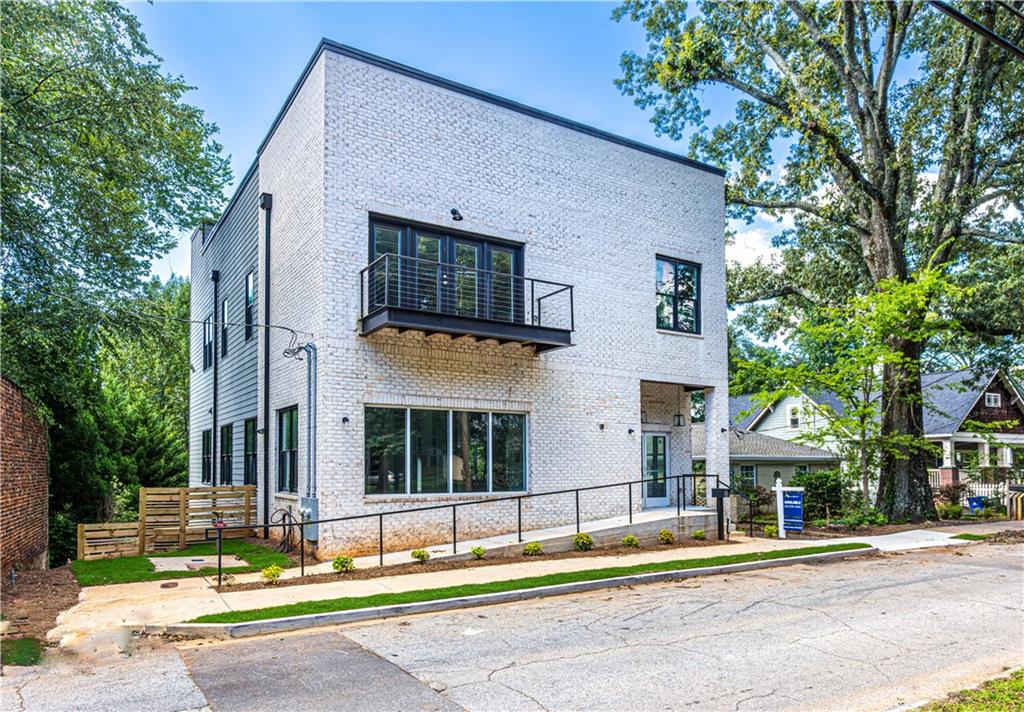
pixel 227 447
pixel 677 291
pixel 250 303
pixel 794 417
pixel 288 449
pixel 249 465
pixel 385 450
pixel 207 342
pixel 428 449
pixel 224 328
pixel 508 452
pixel 207 456
pixel 469 452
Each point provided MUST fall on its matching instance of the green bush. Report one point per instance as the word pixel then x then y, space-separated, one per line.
pixel 343 564
pixel 533 549
pixel 699 535
pixel 949 511
pixel 631 541
pixel 988 513
pixel 771 531
pixel 583 542
pixel 665 536
pixel 420 555
pixel 478 551
pixel 820 523
pixel 63 538
pixel 272 574
pixel 824 492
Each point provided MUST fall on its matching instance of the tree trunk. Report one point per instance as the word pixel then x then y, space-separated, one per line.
pixel 903 489
pixel 862 455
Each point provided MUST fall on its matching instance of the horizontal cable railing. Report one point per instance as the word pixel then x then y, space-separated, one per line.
pixel 397 281
pixel 659 487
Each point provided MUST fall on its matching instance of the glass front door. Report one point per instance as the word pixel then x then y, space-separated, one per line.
pixel 655 470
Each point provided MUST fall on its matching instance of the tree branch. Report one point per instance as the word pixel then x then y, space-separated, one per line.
pixel 800 205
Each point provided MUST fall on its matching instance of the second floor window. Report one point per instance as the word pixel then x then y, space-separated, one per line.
pixel 227 447
pixel 224 328
pixel 993 400
pixel 207 456
pixel 207 342
pixel 288 449
pixel 677 287
pixel 250 303
pixel 794 417
pixel 249 471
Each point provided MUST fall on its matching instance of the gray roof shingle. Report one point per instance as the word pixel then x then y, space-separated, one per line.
pixel 748 445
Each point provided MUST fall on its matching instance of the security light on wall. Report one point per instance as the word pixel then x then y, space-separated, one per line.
pixel 456 215
pixel 679 420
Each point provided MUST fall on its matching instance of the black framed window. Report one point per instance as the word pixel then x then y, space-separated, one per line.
pixel 207 456
pixel 677 291
pixel 425 451
pixel 207 342
pixel 249 463
pixel 224 328
pixel 250 303
pixel 288 449
pixel 227 447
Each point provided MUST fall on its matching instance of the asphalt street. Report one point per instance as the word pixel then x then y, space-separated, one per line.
pixel 871 633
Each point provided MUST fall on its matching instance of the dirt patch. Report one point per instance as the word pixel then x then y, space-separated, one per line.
pixel 1009 536
pixel 33 603
pixel 839 530
pixel 414 567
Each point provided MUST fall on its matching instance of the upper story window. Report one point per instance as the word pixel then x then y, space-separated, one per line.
pixel 677 285
pixel 794 417
pixel 207 342
pixel 250 303
pixel 993 400
pixel 224 328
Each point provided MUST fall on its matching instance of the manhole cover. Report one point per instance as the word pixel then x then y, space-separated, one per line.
pixel 169 584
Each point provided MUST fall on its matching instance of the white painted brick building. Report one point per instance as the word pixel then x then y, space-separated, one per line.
pixel 366 151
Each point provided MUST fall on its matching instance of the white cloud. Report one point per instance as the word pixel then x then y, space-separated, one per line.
pixel 750 245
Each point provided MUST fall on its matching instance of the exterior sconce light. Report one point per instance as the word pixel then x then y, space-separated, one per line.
pixel 456 215
pixel 679 420
pixel 600 426
pixel 345 420
pixel 643 416
pixel 631 431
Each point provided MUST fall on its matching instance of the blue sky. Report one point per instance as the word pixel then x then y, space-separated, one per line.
pixel 243 59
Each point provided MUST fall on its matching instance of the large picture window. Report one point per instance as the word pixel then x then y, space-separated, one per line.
pixel 444 451
pixel 677 286
pixel 288 450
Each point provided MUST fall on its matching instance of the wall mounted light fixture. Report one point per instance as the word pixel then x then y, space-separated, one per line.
pixel 643 416
pixel 679 420
pixel 456 215
pixel 631 431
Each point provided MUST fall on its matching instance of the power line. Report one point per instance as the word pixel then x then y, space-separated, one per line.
pixel 977 27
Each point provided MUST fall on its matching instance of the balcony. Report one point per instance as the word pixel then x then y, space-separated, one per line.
pixel 411 294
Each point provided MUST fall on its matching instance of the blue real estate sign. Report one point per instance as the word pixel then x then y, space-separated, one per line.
pixel 793 511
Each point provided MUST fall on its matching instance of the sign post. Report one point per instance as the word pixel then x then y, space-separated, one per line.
pixel 789 501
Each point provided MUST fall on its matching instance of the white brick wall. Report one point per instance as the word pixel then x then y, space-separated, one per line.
pixel 361 139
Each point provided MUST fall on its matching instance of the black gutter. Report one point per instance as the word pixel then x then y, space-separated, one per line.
pixel 266 203
pixel 215 278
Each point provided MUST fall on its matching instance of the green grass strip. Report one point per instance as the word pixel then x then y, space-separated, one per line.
pixel 967 536
pixel 20 651
pixel 475 589
pixel 1005 695
pixel 132 569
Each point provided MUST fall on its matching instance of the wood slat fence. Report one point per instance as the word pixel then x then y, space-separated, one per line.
pixel 170 518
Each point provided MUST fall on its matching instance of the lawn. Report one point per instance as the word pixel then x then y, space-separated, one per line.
pixel 434 594
pixel 972 537
pixel 130 569
pixel 994 696
pixel 20 651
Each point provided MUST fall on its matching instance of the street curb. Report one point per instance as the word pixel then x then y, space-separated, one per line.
pixel 313 620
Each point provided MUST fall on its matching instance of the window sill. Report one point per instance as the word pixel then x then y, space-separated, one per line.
pixel 440 496
pixel 670 332
pixel 287 495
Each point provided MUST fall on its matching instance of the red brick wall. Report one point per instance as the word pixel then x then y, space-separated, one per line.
pixel 24 490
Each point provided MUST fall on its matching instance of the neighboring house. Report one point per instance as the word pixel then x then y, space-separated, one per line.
pixel 756 459
pixel 951 399
pixel 24 471
pixel 502 301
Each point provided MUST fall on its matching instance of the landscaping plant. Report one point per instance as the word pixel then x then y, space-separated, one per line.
pixel 343 564
pixel 271 574
pixel 824 492
pixel 699 535
pixel 665 536
pixel 420 555
pixel 771 531
pixel 631 541
pixel 478 551
pixel 533 549
pixel 583 542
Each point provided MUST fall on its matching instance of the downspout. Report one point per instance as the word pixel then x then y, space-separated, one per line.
pixel 215 278
pixel 266 203
pixel 310 349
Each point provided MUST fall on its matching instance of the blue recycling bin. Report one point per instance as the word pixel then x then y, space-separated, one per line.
pixel 975 504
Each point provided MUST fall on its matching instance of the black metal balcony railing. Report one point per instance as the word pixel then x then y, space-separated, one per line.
pixel 398 284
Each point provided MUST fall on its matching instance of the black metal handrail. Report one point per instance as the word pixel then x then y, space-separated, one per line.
pixel 518 498
pixel 398 281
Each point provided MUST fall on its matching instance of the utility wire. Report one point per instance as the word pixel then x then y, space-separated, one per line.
pixel 978 28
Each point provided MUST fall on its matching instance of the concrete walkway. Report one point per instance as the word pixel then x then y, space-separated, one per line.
pixel 103 609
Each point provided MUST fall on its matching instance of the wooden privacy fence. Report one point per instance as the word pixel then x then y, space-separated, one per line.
pixel 170 518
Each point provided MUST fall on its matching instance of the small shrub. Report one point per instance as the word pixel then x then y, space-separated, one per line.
pixel 343 564
pixel 824 492
pixel 954 511
pixel 699 535
pixel 583 542
pixel 271 574
pixel 819 523
pixel 631 541
pixel 771 531
pixel 953 492
pixel 478 551
pixel 665 536
pixel 533 549
pixel 988 513
pixel 420 555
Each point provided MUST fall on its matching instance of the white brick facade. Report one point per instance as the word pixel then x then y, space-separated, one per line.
pixel 360 139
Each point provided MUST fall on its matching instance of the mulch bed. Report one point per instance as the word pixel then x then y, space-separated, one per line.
pixel 1010 536
pixel 33 603
pixel 415 567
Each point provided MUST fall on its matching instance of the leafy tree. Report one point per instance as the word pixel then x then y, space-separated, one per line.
pixel 744 350
pixel 901 132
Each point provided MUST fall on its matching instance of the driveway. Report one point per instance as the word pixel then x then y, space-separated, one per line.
pixel 863 634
